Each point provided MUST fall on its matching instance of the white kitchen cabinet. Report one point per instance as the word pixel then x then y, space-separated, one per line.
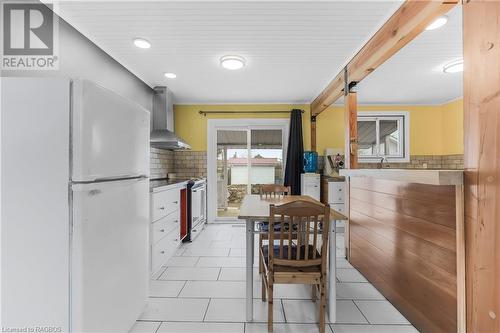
pixel 310 185
pixel 163 250
pixel 336 199
pixel 164 226
pixel 336 193
pixel 165 233
pixel 339 207
pixel 165 203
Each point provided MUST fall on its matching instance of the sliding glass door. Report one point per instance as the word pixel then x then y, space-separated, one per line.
pixel 243 158
pixel 232 171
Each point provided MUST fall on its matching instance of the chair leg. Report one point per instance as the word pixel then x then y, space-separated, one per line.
pixel 270 305
pixel 313 293
pixel 263 288
pixel 322 305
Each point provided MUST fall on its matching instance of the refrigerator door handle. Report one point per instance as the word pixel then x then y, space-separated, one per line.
pixel 112 179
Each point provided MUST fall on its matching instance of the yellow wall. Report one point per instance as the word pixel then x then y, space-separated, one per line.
pixel 434 129
pixel 453 127
pixel 192 126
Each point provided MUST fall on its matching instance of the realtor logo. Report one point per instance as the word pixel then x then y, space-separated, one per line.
pixel 29 32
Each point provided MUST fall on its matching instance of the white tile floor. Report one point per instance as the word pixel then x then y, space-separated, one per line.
pixel 202 289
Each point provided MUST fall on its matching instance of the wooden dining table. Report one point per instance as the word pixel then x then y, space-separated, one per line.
pixel 256 209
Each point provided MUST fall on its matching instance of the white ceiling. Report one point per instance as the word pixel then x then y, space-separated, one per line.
pixel 415 74
pixel 293 48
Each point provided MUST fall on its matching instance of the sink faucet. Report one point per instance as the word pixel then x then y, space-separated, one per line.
pixel 380 165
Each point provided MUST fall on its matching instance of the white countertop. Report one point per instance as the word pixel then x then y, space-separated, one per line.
pixel 162 185
pixel 420 176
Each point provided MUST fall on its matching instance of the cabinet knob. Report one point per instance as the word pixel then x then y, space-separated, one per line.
pixel 176 202
pixel 162 230
pixel 176 221
pixel 175 240
pixel 162 252
pixel 162 207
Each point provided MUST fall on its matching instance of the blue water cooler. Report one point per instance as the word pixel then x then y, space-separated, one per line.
pixel 310 161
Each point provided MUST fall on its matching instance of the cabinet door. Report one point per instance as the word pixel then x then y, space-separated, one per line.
pixel 312 190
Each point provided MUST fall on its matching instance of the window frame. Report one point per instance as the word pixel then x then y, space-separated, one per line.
pixel 404 142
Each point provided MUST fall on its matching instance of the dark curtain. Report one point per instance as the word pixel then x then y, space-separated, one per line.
pixel 295 155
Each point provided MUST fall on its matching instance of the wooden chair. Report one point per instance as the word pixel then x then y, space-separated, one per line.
pixel 274 191
pixel 300 261
pixel 271 191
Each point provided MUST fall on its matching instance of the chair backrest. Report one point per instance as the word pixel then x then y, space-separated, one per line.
pixel 274 191
pixel 298 235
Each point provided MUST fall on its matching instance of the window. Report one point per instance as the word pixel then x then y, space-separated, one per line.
pixel 384 134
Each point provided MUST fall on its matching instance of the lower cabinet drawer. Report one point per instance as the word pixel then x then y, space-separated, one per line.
pixel 336 192
pixel 164 226
pixel 164 203
pixel 164 249
pixel 338 207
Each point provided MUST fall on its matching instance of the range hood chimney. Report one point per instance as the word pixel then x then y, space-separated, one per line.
pixel 162 135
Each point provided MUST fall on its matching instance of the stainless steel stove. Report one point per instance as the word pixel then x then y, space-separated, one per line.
pixel 196 207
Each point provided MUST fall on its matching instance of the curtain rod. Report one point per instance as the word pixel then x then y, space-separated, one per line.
pixel 243 112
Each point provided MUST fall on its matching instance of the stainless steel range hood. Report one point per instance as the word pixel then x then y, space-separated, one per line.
pixel 162 135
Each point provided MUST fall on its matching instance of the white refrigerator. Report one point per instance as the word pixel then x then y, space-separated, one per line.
pixel 74 206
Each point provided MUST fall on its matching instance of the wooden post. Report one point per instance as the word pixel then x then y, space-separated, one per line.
pixel 313 133
pixel 350 151
pixel 481 22
pixel 351 127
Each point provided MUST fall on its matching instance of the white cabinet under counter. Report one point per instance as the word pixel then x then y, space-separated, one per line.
pixel 167 219
pixel 336 197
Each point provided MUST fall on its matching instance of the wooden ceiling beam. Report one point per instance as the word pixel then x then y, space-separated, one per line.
pixel 403 26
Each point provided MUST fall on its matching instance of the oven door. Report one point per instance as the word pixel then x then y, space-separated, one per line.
pixel 198 195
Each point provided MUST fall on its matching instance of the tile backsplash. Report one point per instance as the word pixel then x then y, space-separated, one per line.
pixel 184 163
pixel 161 162
pixel 190 164
pixel 450 162
pixel 453 162
pixel 193 164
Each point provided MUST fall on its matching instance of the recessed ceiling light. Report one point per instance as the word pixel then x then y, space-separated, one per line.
pixel 232 62
pixel 142 43
pixel 454 66
pixel 438 23
pixel 170 75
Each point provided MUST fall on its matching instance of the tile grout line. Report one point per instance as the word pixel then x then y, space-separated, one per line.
pixel 283 308
pixel 357 307
pixel 180 291
pixel 206 310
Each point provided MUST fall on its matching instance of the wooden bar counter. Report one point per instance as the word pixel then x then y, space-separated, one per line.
pixel 406 236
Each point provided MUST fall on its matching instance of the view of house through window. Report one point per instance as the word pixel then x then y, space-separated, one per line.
pixel 237 174
pixel 381 136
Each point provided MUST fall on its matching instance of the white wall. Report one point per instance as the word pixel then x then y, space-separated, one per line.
pixel 79 57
